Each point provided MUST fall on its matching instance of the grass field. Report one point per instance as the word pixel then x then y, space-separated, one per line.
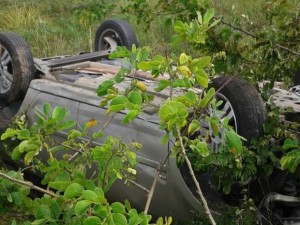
pixel 59 27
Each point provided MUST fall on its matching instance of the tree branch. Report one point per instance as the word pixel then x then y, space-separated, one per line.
pixel 139 186
pixel 28 184
pixel 199 191
pixel 257 37
pixel 158 170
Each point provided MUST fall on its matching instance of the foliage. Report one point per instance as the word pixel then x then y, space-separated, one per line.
pixel 174 113
pixel 269 50
pixel 232 163
pixel 78 193
pixel 291 159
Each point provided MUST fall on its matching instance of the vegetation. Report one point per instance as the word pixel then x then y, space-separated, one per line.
pixel 253 44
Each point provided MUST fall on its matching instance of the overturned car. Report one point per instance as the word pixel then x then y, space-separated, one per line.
pixel 26 83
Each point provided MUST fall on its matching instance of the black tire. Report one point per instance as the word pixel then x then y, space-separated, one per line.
pixel 16 66
pixel 247 105
pixel 296 78
pixel 117 29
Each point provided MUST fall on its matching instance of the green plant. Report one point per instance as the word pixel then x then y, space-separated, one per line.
pixel 77 193
pixel 174 113
pixel 233 163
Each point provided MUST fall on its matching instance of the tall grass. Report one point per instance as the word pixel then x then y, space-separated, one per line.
pixel 52 28
pixel 46 35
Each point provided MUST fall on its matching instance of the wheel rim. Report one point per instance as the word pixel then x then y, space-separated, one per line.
pixel 108 40
pixel 6 72
pixel 222 111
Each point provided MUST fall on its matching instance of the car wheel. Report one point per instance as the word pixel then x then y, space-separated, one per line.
pixel 242 105
pixel 112 33
pixel 16 66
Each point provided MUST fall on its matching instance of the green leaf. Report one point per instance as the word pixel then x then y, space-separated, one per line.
pixel 67 125
pixel 104 86
pixel 179 27
pixel 16 154
pixel 184 71
pixel 101 211
pixel 199 16
pixel 119 218
pixel 194 126
pixel 73 190
pixel 200 63
pixel 55 210
pixel 42 212
pixel 290 144
pixel 234 142
pixel 135 97
pixel 23 145
pixel 23 134
pixel 59 185
pixel 73 134
pixel 184 58
pixel 117 207
pixel 97 134
pixel 162 84
pixel 214 23
pixel 207 97
pixel 214 124
pixel 119 77
pixel 120 52
pixel 201 78
pixel 92 220
pixel 9 133
pixel 9 198
pixel 115 108
pixel 127 205
pixel 145 66
pixel 200 148
pixel 130 116
pixel 47 109
pixel 208 16
pixel 143 54
pixel 63 176
pixel 89 195
pixel 159 221
pixel 179 83
pixel 59 113
pixel 29 157
pixel 81 207
pixel 119 100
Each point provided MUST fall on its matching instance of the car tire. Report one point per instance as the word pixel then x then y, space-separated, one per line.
pixel 250 115
pixel 119 30
pixel 246 104
pixel 16 66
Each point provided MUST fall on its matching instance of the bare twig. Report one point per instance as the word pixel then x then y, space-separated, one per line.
pixel 287 49
pixel 139 186
pixel 257 37
pixel 158 170
pixel 28 184
pixel 239 29
pixel 199 191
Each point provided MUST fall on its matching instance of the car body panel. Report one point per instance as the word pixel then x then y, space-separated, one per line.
pixel 172 197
